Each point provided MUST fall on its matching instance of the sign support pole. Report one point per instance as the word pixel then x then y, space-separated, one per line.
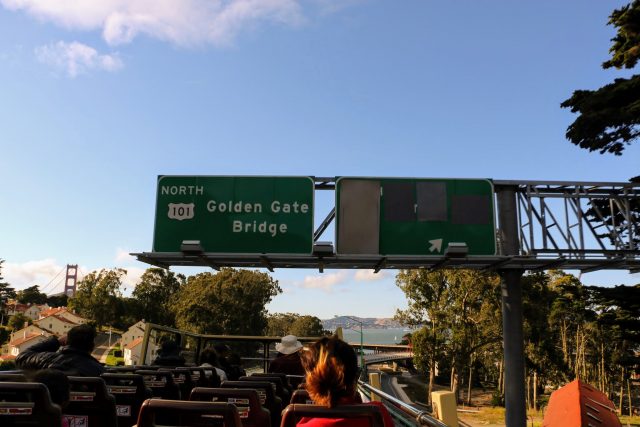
pixel 513 337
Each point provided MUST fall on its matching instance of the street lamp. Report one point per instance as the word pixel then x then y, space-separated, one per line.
pixel 362 365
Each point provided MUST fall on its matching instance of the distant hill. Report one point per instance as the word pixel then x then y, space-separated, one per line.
pixel 367 323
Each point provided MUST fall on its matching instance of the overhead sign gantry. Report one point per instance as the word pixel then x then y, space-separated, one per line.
pixel 394 223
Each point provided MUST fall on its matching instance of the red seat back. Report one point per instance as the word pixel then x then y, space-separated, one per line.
pixel 27 404
pixel 192 414
pixel 268 398
pixel 129 391
pixel 90 404
pixel 161 384
pixel 246 400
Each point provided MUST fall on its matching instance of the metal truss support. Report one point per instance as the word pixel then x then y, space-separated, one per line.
pixel 578 221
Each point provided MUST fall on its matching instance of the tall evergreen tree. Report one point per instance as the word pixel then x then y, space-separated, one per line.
pixel 154 294
pixel 609 117
pixel 6 293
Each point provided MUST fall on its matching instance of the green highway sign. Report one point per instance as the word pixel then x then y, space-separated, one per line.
pixel 412 216
pixel 239 214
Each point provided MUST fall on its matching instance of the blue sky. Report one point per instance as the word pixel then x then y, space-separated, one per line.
pixel 97 100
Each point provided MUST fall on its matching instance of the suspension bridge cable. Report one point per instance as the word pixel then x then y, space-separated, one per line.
pixel 54 278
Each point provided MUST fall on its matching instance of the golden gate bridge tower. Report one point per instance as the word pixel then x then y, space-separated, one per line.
pixel 71 280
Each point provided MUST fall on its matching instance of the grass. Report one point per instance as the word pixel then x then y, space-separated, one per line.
pixel 630 421
pixel 416 389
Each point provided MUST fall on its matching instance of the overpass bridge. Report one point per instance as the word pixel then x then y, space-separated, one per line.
pixel 381 353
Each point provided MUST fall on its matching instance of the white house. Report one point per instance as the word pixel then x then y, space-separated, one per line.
pixel 63 312
pixel 133 333
pixel 32 311
pixel 23 342
pixel 55 324
pixel 132 352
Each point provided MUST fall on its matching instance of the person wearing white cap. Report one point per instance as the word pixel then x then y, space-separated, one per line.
pixel 288 359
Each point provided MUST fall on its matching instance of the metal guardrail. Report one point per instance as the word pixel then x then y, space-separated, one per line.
pixel 422 418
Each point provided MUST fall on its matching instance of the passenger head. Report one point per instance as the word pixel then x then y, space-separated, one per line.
pixel 56 382
pixel 223 350
pixel 209 355
pixel 81 337
pixel 331 367
pixel 288 344
pixel 235 359
pixel 169 347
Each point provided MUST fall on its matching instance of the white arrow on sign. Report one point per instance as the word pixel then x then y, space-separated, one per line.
pixel 436 245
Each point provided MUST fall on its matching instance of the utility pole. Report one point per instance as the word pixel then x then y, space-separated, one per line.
pixel 362 365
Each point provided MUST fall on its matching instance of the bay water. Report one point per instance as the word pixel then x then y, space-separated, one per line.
pixel 375 336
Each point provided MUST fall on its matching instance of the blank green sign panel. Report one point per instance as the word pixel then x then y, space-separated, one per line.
pixel 414 216
pixel 235 214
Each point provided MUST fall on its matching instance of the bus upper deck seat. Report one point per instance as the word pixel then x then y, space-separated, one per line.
pixel 129 391
pixel 199 376
pixel 301 396
pixel 192 414
pixel 284 377
pixel 267 395
pixel 13 377
pixel 90 403
pixel 246 400
pixel 27 404
pixel 130 368
pixel 281 391
pixel 370 415
pixel 183 379
pixel 295 381
pixel 161 384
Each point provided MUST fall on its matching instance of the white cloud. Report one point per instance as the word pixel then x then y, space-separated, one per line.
pixel 45 273
pixel 76 58
pixel 122 256
pixel 325 282
pixel 184 22
pixel 50 276
pixel 370 276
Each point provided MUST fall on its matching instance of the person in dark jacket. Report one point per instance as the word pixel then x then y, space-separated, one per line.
pixel 169 355
pixel 288 359
pixel 74 358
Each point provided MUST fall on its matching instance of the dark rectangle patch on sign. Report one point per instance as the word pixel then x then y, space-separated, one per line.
pixel 432 201
pixel 399 201
pixel 473 210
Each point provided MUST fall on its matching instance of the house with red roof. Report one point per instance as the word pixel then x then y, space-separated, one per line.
pixel 23 339
pixel 58 325
pixel 63 312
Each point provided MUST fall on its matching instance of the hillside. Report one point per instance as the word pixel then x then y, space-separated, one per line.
pixel 367 322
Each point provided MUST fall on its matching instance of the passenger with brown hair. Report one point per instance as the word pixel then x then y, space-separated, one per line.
pixel 331 368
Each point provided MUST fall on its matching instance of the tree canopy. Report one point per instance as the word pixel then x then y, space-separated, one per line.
pixel 31 295
pixel 153 295
pixel 229 302
pixel 609 117
pixel 281 324
pixel 98 296
pixel 457 312
pixel 18 321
